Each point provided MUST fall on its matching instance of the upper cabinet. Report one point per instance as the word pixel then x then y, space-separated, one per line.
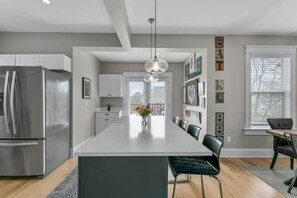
pixel 49 61
pixel 7 60
pixel 110 85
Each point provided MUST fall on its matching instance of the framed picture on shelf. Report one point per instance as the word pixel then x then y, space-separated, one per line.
pixel 198 65
pixel 192 64
pixel 192 93
pixel 201 88
pixel 187 67
pixel 86 88
pixel 184 94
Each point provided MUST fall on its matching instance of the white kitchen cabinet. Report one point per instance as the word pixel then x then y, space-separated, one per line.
pixel 56 62
pixel 104 118
pixel 7 60
pixel 28 60
pixel 110 85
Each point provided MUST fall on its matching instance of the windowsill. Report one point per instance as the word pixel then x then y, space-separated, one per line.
pixel 256 131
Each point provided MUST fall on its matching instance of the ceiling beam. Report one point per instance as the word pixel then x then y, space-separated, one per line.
pixel 118 15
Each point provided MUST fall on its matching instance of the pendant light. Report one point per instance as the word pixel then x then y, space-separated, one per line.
pixel 156 65
pixel 150 77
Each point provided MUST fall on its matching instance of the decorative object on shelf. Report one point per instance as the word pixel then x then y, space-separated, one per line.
pixel 200 118
pixel 86 88
pixel 156 65
pixel 202 102
pixel 219 85
pixel 201 88
pixel 184 94
pixel 144 112
pixel 192 94
pixel 219 53
pixel 108 106
pixel 198 64
pixel 192 65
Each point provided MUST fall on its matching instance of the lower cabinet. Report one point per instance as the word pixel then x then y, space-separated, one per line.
pixel 104 119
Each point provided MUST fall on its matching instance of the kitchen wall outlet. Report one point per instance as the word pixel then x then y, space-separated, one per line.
pixel 229 139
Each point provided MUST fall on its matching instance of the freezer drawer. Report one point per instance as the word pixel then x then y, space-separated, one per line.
pixel 22 157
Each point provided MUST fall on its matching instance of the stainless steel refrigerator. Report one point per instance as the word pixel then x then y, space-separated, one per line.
pixel 34 120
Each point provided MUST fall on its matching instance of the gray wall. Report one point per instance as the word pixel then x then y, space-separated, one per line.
pixel 86 65
pixel 233 75
pixel 177 82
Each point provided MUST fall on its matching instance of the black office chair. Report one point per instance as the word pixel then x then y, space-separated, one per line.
pixel 183 124
pixel 293 144
pixel 194 131
pixel 280 145
pixel 207 165
pixel 176 120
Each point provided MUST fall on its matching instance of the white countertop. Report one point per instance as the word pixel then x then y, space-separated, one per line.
pixel 127 137
pixel 104 110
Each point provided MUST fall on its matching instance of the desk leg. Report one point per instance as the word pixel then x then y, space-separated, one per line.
pixel 125 177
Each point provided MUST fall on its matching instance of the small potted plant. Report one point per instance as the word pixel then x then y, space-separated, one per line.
pixel 108 106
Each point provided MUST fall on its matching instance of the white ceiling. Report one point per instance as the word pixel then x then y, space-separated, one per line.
pixel 139 56
pixel 260 17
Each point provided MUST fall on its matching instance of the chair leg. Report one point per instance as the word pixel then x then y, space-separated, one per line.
pixel 202 186
pixel 273 160
pixel 220 185
pixel 292 163
pixel 293 182
pixel 175 179
pixel 189 177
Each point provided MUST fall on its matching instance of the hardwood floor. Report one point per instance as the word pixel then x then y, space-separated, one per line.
pixel 236 181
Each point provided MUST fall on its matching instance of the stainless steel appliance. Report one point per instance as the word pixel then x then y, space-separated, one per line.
pixel 34 120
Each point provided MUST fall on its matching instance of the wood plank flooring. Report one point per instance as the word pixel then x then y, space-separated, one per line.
pixel 236 180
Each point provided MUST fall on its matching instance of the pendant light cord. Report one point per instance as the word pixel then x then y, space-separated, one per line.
pixel 155 28
pixel 151 38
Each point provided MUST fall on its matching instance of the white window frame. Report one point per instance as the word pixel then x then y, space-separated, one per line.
pixel 127 75
pixel 262 50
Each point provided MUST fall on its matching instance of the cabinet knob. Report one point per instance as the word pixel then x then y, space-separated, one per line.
pixel 106 119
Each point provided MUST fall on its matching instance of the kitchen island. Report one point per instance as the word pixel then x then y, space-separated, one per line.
pixel 130 160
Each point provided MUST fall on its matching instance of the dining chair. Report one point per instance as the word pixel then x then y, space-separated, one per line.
pixel 280 145
pixel 293 144
pixel 183 124
pixel 194 131
pixel 176 120
pixel 206 165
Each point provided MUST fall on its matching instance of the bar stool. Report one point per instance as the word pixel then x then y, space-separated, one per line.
pixel 176 120
pixel 183 124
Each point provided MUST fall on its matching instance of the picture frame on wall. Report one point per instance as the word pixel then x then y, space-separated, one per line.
pixel 192 93
pixel 86 88
pixel 192 65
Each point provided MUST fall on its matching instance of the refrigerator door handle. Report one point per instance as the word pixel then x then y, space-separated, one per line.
pixel 5 111
pixel 12 95
pixel 19 144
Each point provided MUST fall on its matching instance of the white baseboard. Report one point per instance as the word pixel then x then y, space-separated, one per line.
pixel 239 152
pixel 81 144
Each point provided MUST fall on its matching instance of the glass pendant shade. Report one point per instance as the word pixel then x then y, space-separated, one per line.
pixel 156 65
pixel 150 77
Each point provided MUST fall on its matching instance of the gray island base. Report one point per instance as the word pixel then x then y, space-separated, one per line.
pixel 124 177
pixel 128 160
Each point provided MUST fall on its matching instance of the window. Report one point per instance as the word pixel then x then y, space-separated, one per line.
pixel 268 84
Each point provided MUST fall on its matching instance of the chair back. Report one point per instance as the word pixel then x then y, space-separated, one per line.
pixel 194 131
pixel 176 120
pixel 215 145
pixel 280 123
pixel 183 124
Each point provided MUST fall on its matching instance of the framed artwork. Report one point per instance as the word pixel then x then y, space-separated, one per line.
pixel 219 130
pixel 202 102
pixel 86 88
pixel 192 116
pixel 219 85
pixel 200 118
pixel 201 88
pixel 198 65
pixel 184 94
pixel 187 71
pixel 192 64
pixel 219 41
pixel 219 54
pixel 192 94
pixel 219 117
pixel 219 97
